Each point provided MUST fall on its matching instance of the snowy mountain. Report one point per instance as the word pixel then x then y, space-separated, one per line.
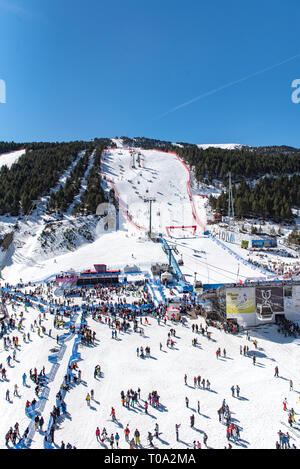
pixel 223 146
pixel 38 246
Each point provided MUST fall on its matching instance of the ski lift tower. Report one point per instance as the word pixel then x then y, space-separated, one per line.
pixel 168 250
pixel 150 200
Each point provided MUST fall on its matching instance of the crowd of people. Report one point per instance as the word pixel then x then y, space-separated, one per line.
pixel 287 327
pixel 109 306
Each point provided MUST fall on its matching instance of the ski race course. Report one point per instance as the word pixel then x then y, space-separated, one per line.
pixel 59 333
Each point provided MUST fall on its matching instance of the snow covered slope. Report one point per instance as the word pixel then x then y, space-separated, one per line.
pixel 178 211
pixel 9 159
pixel 135 176
pixel 223 146
pixel 164 177
pixel 261 394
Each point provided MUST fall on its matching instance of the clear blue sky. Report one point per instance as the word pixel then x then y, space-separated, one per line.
pixel 79 69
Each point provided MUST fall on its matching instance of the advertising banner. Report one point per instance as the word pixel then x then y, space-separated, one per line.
pixel 240 301
pixel 270 243
pixel 257 243
pixel 269 299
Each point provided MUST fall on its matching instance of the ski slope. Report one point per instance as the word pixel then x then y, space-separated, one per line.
pixel 223 146
pixel 210 262
pixel 258 411
pixel 114 249
pixel 158 175
pixel 135 175
pixel 9 159
pixel 164 177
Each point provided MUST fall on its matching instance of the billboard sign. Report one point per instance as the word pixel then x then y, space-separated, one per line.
pixel 227 236
pixel 270 243
pixel 269 299
pixel 240 301
pixel 245 244
pixel 257 243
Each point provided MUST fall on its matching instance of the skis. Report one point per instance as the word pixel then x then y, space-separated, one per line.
pixel 291 429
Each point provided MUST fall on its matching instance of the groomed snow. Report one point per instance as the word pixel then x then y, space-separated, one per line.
pixel 258 412
pixel 115 249
pixel 9 159
pixel 223 146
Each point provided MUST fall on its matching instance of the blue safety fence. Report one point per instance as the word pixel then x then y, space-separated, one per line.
pixel 238 257
pixel 75 356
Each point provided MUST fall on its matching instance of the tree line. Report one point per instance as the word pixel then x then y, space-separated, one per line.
pixel 270 197
pixel 60 200
pixel 94 193
pixel 33 175
pixel 265 179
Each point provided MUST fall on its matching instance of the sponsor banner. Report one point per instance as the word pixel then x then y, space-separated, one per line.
pixel 270 243
pixel 227 236
pixel 66 279
pixel 269 299
pixel 240 301
pixel 257 243
pixel 245 244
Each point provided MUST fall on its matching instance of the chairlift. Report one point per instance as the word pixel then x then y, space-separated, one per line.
pixel 198 285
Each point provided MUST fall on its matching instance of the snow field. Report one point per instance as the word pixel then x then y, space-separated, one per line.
pixel 9 159
pixel 258 411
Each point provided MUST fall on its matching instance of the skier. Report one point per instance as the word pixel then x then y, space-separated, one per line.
pixel 126 431
pixel 150 439
pixel 177 426
pixel 36 421
pixel 104 434
pixel 41 423
pixel 113 414
pixel 137 437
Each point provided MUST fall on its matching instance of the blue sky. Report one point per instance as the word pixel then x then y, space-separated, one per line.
pixel 79 69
